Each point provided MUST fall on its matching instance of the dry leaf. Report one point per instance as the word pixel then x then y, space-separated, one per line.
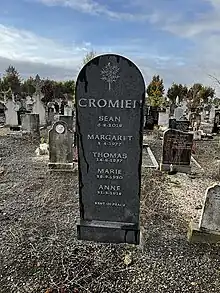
pixel 128 259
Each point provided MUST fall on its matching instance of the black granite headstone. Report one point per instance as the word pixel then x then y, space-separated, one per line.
pixel 110 93
pixel 216 125
pixel 177 148
pixel 68 120
pixel 155 114
pixel 182 125
pixel 172 123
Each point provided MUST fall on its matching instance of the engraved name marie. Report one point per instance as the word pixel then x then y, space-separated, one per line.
pixel 111 137
pixel 102 103
pixel 109 171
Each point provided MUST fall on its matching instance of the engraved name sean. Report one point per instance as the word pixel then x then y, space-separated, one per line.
pixel 102 103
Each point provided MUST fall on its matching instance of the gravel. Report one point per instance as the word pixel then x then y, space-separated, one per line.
pixel 39 251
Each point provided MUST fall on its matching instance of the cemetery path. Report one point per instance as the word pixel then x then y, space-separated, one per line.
pixel 38 247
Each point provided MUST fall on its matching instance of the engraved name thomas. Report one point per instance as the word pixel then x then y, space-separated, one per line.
pixel 110 157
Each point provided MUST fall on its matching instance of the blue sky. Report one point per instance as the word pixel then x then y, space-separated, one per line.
pixel 180 40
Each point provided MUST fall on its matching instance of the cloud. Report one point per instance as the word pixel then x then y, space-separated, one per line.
pixel 205 22
pixel 94 8
pixel 23 45
pixel 27 69
pixel 34 54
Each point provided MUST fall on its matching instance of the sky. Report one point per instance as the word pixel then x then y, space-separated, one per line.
pixel 179 40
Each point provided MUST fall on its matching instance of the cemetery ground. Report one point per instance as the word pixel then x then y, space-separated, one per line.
pixel 39 251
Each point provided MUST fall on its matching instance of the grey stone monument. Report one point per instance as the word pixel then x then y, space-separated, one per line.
pixel 210 218
pixel 177 148
pixel 31 124
pixel 110 94
pixel 207 228
pixel 60 147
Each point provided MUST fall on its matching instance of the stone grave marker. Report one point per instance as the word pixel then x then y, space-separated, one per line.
pixel 172 123
pixel 210 217
pixel 163 119
pixel 29 103
pixel 178 113
pixel 68 110
pixel 177 148
pixel 39 108
pixel 183 124
pixel 67 119
pixel 60 147
pixel 212 114
pixel 216 125
pixel 11 113
pixel 31 124
pixel 110 93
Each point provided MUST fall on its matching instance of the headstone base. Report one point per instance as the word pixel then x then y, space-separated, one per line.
pixel 196 235
pixel 108 232
pixel 65 167
pixel 177 168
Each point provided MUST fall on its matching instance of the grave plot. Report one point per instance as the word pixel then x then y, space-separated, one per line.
pixel 148 158
pixel 39 246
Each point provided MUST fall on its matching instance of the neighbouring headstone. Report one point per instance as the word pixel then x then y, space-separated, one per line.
pixel 11 115
pixel 210 217
pixel 50 109
pixel 155 114
pixel 183 124
pixel 60 147
pixel 39 108
pixel 172 123
pixel 68 110
pixel 178 113
pixel 149 122
pixel 212 114
pixel 110 94
pixel 31 124
pixel 177 148
pixel 163 119
pixel 216 125
pixel 67 119
pixel 184 107
pixel 29 103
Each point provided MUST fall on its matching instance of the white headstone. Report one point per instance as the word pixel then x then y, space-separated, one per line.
pixel 212 114
pixel 11 115
pixel 39 108
pixel 184 106
pixel 67 111
pixel 210 218
pixel 29 103
pixel 178 113
pixel 163 119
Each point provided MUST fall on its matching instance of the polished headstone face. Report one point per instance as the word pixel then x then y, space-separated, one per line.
pixel 177 147
pixel 110 94
pixel 210 218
